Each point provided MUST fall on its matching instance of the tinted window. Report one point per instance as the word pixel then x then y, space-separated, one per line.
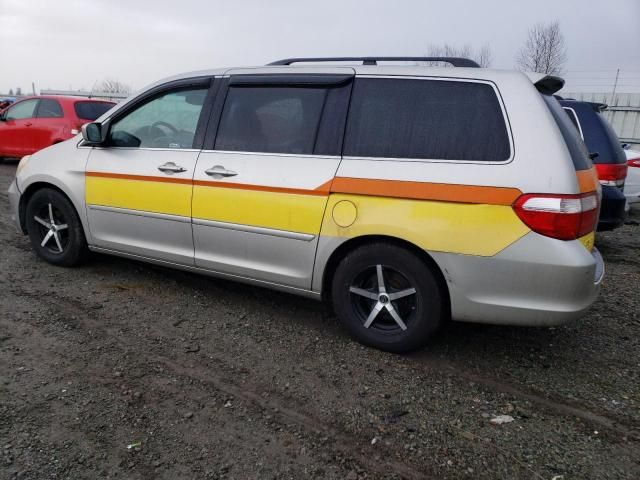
pixel 613 151
pixel 48 108
pixel 426 119
pixel 22 110
pixel 167 121
pixel 274 119
pixel 577 148
pixel 91 110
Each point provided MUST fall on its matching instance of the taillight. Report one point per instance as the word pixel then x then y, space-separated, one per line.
pixel 634 162
pixel 565 217
pixel 612 174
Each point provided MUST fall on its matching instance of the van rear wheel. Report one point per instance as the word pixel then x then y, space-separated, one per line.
pixel 387 297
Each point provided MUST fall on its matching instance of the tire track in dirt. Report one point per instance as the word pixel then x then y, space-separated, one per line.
pixel 424 360
pixel 556 405
pixel 341 442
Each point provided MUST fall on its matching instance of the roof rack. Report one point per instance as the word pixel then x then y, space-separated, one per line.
pixel 455 61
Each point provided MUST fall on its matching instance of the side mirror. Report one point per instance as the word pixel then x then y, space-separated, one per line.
pixel 3 116
pixel 92 133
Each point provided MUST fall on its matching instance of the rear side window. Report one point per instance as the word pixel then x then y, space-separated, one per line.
pixel 276 119
pixel 426 119
pixel 48 108
pixel 91 110
pixel 577 149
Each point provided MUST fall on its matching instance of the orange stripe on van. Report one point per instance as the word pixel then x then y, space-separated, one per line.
pixel 322 190
pixel 426 191
pixel 145 178
pixel 443 192
pixel 587 180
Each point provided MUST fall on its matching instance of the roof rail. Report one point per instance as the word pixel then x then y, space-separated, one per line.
pixel 455 61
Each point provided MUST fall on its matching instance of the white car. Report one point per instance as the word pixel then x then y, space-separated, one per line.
pixel 632 184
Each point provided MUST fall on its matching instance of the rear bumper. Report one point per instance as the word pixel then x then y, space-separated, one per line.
pixel 537 281
pixel 14 201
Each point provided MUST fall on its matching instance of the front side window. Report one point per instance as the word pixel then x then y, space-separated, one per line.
pixel 426 119
pixel 167 121
pixel 277 119
pixel 22 110
pixel 48 108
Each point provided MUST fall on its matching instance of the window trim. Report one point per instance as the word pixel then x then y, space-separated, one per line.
pixel 575 115
pixel 440 160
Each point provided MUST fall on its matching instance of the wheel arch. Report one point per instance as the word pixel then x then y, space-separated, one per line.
pixel 30 191
pixel 348 246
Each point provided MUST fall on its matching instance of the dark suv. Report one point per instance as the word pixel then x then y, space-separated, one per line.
pixel 607 155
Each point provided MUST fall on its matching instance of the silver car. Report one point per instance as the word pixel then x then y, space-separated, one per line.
pixel 403 195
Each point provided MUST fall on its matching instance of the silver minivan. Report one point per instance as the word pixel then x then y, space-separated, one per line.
pixel 403 195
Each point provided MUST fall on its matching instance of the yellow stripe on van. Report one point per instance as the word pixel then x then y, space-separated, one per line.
pixel 471 229
pixel 158 197
pixel 588 240
pixel 281 211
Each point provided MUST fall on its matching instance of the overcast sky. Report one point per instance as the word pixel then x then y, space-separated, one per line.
pixel 66 44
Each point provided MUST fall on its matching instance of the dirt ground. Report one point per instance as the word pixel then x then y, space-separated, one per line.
pixel 212 379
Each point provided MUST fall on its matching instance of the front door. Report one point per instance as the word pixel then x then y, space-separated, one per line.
pixel 139 185
pixel 16 134
pixel 261 187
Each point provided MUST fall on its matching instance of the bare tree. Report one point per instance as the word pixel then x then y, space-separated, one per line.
pixel 544 51
pixel 111 85
pixel 482 56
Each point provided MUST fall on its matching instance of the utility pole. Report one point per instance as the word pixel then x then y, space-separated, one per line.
pixel 615 85
pixel 33 88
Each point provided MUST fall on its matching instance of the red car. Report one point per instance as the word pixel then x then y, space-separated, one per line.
pixel 34 123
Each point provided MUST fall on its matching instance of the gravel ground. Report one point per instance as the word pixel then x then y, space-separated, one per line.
pixel 212 379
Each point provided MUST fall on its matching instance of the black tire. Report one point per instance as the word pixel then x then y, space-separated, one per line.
pixel 46 203
pixel 421 312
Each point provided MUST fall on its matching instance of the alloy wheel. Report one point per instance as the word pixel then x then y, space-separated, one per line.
pixel 53 229
pixel 383 299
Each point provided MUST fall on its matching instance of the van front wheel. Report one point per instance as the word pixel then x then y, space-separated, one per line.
pixel 387 297
pixel 54 228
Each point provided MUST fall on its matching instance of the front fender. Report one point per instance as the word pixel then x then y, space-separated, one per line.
pixel 61 166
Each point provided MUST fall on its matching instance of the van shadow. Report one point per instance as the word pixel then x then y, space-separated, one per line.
pixel 471 343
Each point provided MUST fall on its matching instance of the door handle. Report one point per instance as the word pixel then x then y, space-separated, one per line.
pixel 218 171
pixel 28 124
pixel 171 167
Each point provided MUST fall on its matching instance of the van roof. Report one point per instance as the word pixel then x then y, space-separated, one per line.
pixel 391 70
